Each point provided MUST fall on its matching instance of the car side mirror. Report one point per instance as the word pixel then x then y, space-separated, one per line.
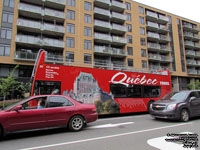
pixel 17 108
pixel 192 98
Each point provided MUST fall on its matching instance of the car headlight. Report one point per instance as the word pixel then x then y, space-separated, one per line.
pixel 171 106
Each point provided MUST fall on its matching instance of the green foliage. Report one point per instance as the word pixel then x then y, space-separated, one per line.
pixel 7 103
pixel 191 85
pixel 108 107
pixel 197 85
pixel 194 85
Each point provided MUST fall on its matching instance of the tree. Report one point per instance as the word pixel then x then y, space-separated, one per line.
pixel 197 85
pixel 9 84
pixel 191 85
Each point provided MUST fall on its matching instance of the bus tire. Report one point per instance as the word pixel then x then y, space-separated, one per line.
pixel 76 123
pixel 148 105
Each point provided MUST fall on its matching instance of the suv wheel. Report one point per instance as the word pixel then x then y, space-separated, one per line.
pixel 184 115
pixel 76 123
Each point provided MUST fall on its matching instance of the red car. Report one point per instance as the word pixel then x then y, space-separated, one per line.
pixel 46 111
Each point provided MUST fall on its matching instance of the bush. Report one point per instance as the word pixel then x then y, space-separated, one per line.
pixel 7 103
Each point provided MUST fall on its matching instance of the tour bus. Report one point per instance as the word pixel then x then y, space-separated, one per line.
pixel 112 91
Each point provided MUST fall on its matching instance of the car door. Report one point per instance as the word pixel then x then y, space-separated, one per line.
pixel 59 110
pixel 29 117
pixel 194 103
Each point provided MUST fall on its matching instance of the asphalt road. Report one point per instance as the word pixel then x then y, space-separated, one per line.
pixel 132 132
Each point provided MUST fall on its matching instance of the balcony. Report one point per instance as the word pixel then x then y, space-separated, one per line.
pixel 48 42
pixel 116 40
pixel 55 3
pixel 53 29
pixel 117 6
pixel 195 29
pixel 102 25
pixel 102 3
pixel 164 39
pixel 192 71
pixel 151 26
pixel 163 29
pixel 153 47
pixel 190 53
pixel 29 10
pixel 28 25
pixel 27 39
pixel 188 35
pixel 196 46
pixel 187 27
pixel 54 15
pixel 117 52
pixel 101 13
pixel 165 59
pixel 54 59
pixel 25 56
pixel 154 57
pixel 117 17
pixel 189 44
pixel 102 38
pixel 118 29
pixel 191 62
pixel 151 16
pixel 165 49
pixel 162 19
pixel 153 36
pixel 197 54
pixel 102 50
pixel 196 37
pixel 37 41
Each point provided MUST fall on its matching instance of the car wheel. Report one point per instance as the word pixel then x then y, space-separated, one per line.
pixel 148 105
pixel 76 123
pixel 1 132
pixel 184 115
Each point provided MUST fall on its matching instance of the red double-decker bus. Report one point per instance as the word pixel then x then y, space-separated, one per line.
pixel 111 91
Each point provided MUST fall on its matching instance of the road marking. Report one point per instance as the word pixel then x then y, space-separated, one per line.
pixel 103 137
pixel 110 125
pixel 162 144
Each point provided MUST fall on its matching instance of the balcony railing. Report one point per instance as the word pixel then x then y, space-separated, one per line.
pixel 102 12
pixel 192 71
pixel 117 6
pixel 188 35
pixel 153 46
pixel 190 53
pixel 153 35
pixel 118 28
pixel 54 58
pixel 54 28
pixel 162 19
pixel 154 57
pixel 119 40
pixel 118 16
pixel 102 37
pixel 28 23
pixel 102 3
pixel 102 24
pixel 152 25
pixel 61 2
pixel 165 48
pixel 30 8
pixel 54 13
pixel 191 62
pixel 151 15
pixel 166 58
pixel 164 38
pixel 189 43
pixel 53 43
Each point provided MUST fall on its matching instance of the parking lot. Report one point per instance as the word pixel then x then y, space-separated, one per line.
pixel 136 131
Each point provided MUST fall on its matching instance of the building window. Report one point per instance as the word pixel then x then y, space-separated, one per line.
pixel 128 27
pixel 70 28
pixel 87 44
pixel 7 17
pixel 6 33
pixel 142 41
pixel 128 6
pixel 87 58
pixel 129 38
pixel 130 50
pixel 87 31
pixel 128 17
pixel 142 31
pixel 69 57
pixel 4 50
pixel 71 3
pixel 9 3
pixel 141 10
pixel 144 64
pixel 70 42
pixel 88 6
pixel 130 62
pixel 71 14
pixel 141 20
pixel 143 53
pixel 88 18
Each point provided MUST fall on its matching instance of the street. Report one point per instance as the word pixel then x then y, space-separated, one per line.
pixel 136 131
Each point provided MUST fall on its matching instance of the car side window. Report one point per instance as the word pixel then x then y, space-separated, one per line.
pixel 35 103
pixel 57 101
pixel 193 94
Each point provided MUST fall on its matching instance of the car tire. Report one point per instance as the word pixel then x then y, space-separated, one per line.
pixel 148 105
pixel 184 115
pixel 1 132
pixel 76 123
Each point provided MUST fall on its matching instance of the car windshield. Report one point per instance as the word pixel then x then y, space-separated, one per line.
pixel 175 96
pixel 12 105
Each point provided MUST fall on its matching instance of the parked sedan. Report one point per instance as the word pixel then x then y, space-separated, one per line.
pixel 181 106
pixel 46 111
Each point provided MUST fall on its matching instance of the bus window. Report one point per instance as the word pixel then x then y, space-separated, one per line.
pixel 118 90
pixel 46 87
pixel 134 91
pixel 152 91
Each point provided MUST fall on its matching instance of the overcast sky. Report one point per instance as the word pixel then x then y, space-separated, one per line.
pixel 189 9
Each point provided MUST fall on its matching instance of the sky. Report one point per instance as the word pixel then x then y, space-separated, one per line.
pixel 189 9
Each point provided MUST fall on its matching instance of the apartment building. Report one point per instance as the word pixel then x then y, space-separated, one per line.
pixel 108 34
